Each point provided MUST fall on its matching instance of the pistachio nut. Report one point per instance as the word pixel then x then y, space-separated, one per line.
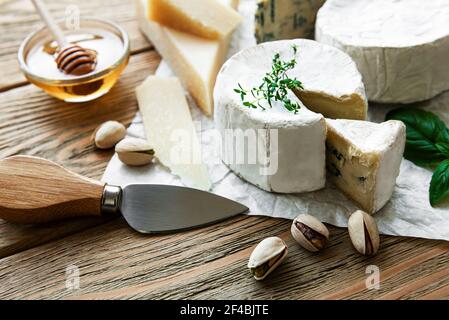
pixel 108 134
pixel 134 151
pixel 363 233
pixel 267 255
pixel 309 232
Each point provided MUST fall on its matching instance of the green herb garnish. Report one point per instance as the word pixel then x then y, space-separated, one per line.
pixel 439 185
pixel 427 145
pixel 274 87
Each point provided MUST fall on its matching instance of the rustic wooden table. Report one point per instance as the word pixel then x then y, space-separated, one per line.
pixel 115 262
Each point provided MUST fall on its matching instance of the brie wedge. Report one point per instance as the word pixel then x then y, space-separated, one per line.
pixel 363 159
pixel 401 47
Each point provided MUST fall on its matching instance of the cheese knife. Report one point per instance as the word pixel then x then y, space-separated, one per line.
pixel 35 190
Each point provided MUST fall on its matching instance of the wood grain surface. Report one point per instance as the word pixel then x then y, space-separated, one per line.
pixel 116 262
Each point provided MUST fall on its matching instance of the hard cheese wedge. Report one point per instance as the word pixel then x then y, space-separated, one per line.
pixel 205 18
pixel 363 159
pixel 195 60
pixel 169 128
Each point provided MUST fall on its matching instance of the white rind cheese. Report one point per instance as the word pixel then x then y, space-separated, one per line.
pixel 293 145
pixel 401 47
pixel 332 84
pixel 285 19
pixel 296 146
pixel 195 60
pixel 363 159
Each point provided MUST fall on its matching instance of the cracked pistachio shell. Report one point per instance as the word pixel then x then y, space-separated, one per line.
pixel 312 235
pixel 266 256
pixel 364 233
pixel 134 152
pixel 108 134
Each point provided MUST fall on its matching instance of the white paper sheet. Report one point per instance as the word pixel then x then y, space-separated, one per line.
pixel 407 214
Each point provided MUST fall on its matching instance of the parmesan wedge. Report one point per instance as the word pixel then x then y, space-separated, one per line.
pixel 170 130
pixel 209 19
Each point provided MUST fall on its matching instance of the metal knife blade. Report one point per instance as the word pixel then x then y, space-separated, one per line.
pixel 163 208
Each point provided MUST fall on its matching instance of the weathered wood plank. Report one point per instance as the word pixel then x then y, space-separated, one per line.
pixel 440 293
pixel 18 19
pixel 33 123
pixel 402 259
pixel 115 262
pixel 439 278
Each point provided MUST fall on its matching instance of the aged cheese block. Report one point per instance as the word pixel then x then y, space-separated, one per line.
pixel 401 47
pixel 363 159
pixel 195 60
pixel 285 19
pixel 205 18
pixel 169 129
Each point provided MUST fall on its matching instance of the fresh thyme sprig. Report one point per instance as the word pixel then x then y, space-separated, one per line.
pixel 274 87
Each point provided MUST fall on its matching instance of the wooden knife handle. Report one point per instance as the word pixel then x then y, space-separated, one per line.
pixel 35 190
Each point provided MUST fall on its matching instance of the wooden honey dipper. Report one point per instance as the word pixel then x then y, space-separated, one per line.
pixel 71 58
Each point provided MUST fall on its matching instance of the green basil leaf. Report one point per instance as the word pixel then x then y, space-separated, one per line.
pixel 443 147
pixel 439 185
pixel 427 135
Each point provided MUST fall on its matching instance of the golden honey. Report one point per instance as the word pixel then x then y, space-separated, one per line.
pixel 107 40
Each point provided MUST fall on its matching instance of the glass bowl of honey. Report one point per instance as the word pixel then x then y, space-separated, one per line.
pixel 109 42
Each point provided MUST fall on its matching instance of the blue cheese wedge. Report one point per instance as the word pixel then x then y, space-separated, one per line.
pixel 285 19
pixel 400 47
pixel 363 159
